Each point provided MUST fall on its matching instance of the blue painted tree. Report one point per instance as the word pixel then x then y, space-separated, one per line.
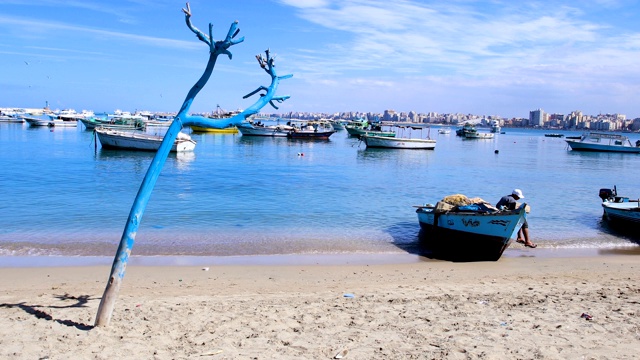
pixel 267 96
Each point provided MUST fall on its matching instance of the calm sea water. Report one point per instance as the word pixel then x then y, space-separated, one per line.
pixel 235 195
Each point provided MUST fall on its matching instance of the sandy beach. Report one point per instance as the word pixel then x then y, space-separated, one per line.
pixel 523 307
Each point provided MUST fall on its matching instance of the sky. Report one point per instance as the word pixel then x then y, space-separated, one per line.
pixel 494 57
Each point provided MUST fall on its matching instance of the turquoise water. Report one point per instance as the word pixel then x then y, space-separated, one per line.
pixel 235 195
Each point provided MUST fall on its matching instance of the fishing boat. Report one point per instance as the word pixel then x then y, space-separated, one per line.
pixel 227 130
pixel 466 128
pixel 36 122
pixel 337 124
pixel 373 141
pixel 594 141
pixel 8 118
pixel 261 129
pixel 401 142
pixel 495 126
pixel 478 135
pixel 472 232
pixel 361 127
pixel 135 140
pixel 320 130
pixel 620 212
pixel 62 123
pixel 444 131
pixel 556 135
pixel 120 123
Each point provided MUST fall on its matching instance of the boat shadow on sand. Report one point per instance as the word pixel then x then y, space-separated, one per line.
pixel 408 237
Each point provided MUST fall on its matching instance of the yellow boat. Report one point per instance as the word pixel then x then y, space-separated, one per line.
pixel 228 130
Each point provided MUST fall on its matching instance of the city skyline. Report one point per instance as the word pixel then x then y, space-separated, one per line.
pixel 486 57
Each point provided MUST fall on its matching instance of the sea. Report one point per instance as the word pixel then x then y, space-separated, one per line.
pixel 64 197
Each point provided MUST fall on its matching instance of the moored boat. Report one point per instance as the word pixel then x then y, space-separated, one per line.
pixel 8 118
pixel 604 142
pixel 320 130
pixel 556 135
pixel 39 121
pixel 466 128
pixel 478 135
pixel 387 142
pixel 62 123
pixel 113 123
pixel 404 141
pixel 227 130
pixel 495 126
pixel 134 140
pixel 620 212
pixel 473 231
pixel 361 127
pixel 260 129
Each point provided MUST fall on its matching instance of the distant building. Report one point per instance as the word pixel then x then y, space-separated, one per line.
pixel 536 118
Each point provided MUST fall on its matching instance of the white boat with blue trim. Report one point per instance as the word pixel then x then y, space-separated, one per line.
pixel 604 142
pixel 136 140
pixel 620 212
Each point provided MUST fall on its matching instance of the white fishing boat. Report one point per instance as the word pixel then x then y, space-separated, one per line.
pixel 444 131
pixel 603 142
pixel 35 122
pixel 623 214
pixel 134 140
pixel 62 123
pixel 373 141
pixel 316 130
pixel 478 135
pixel 405 140
pixel 471 232
pixel 260 129
pixel 6 118
pixel 495 126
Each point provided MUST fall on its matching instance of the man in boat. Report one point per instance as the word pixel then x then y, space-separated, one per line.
pixel 509 202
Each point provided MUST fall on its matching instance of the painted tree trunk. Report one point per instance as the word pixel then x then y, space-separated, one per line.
pixel 125 247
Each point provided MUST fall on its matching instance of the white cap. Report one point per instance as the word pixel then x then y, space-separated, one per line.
pixel 518 193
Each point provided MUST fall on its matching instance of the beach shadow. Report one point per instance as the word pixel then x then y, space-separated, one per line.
pixel 410 238
pixel 620 231
pixel 34 310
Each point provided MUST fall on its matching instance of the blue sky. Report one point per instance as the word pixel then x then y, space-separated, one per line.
pixel 497 57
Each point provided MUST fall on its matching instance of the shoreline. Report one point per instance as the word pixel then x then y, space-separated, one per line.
pixel 517 307
pixel 294 259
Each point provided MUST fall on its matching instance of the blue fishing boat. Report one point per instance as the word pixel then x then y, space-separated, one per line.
pixel 474 232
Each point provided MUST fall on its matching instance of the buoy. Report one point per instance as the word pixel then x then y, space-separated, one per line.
pixel 496 151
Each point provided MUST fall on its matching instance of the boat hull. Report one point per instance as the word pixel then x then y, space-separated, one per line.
pixel 111 139
pixel 229 130
pixel 469 236
pixel 319 135
pixel 398 143
pixel 578 145
pixel 624 216
pixel 477 135
pixel 63 123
